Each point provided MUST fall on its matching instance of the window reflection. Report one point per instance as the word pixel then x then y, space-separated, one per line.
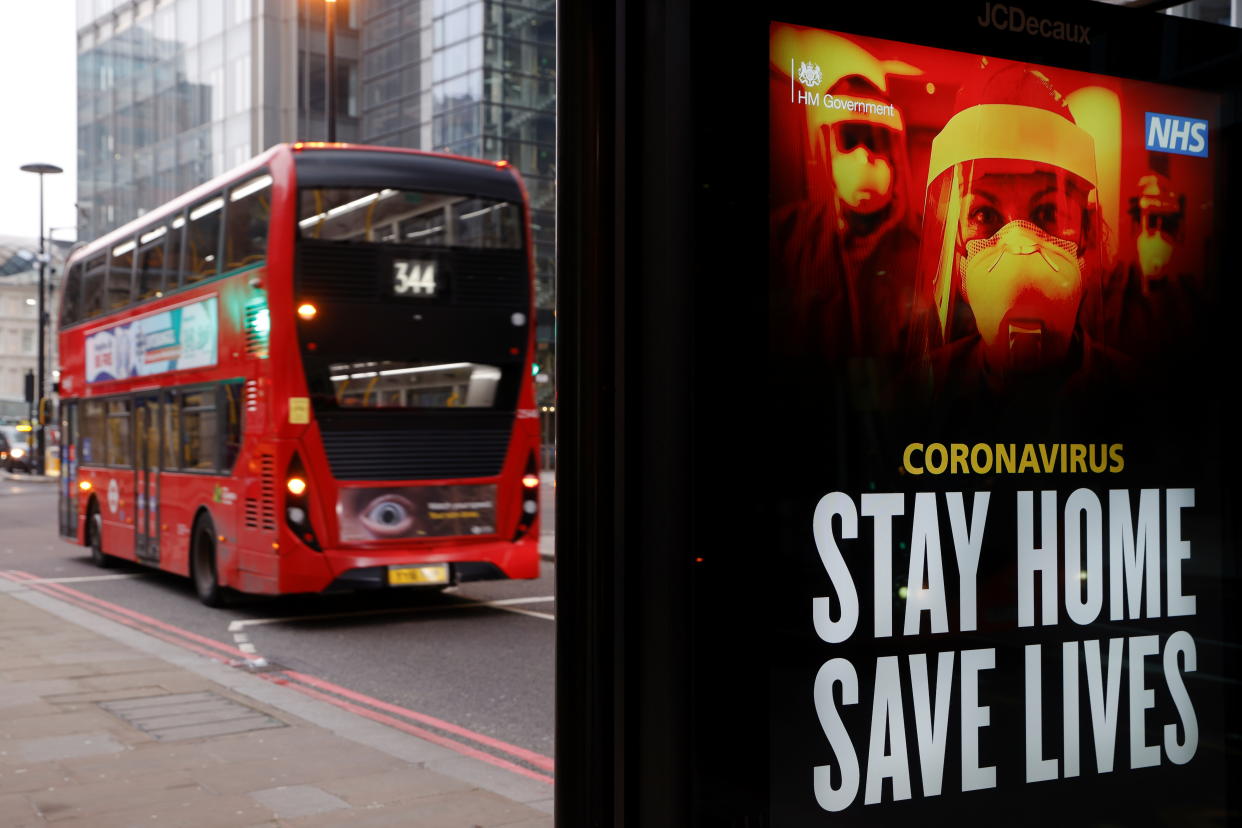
pixel 413 385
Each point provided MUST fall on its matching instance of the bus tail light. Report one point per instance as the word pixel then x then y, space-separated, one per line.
pixel 530 498
pixel 297 506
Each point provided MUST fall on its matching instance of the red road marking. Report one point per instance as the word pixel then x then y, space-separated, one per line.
pixel 444 741
pixel 166 632
pixel 146 619
pixel 120 619
pixel 536 759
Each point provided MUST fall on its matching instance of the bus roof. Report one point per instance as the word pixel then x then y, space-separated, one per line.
pixel 321 164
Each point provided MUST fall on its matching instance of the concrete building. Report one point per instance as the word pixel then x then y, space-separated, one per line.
pixel 19 321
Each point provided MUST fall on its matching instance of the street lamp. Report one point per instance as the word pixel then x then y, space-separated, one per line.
pixel 329 9
pixel 40 444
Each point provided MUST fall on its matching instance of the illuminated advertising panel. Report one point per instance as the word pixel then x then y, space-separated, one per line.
pixel 993 299
pixel 185 336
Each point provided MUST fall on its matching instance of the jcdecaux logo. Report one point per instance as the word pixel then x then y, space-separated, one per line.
pixel 1171 133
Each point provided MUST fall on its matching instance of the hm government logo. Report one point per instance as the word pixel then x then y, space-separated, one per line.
pixel 810 75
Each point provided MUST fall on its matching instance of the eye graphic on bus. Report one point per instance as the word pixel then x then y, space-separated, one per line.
pixel 388 516
pixel 368 513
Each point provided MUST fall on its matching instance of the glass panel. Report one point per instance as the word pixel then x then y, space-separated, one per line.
pixel 93 288
pixel 173 277
pixel 172 433
pixel 93 449
pixel 202 246
pixel 148 437
pixel 232 393
pixel 120 273
pixel 246 234
pixel 201 430
pixel 151 263
pixel 412 385
pixel 407 217
pixel 117 437
pixel 71 303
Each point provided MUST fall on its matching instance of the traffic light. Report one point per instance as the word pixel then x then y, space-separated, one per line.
pixel 535 368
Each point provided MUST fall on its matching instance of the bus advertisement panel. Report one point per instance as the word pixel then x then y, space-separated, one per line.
pixel 1002 277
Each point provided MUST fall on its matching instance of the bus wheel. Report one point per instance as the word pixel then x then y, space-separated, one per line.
pixel 203 565
pixel 94 531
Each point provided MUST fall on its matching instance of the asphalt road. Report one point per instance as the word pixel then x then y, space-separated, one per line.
pixel 487 668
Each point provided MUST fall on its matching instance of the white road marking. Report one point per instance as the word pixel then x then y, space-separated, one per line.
pixel 83 578
pixel 504 604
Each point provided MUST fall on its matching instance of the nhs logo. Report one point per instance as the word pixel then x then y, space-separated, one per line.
pixel 1184 136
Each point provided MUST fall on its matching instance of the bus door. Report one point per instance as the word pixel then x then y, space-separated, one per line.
pixel 68 469
pixel 147 477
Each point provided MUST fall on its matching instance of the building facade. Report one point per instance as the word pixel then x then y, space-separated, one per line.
pixel 174 92
pixel 19 320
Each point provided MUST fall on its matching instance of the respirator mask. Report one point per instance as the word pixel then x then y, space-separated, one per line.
pixel 1024 287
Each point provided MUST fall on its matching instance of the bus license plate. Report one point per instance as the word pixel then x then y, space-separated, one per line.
pixel 424 574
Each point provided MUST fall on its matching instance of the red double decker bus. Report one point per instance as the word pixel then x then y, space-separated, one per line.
pixel 310 374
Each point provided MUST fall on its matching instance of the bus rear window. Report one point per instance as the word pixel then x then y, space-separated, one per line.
pixel 412 385
pixel 409 217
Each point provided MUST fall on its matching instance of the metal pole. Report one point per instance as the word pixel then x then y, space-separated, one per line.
pixel 330 12
pixel 40 445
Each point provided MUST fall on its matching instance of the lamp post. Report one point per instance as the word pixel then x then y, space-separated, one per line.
pixel 329 9
pixel 40 443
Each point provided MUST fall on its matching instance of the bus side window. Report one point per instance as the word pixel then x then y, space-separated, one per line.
pixel 172 431
pixel 172 274
pixel 121 275
pixel 120 449
pixel 245 235
pixel 201 427
pixel 151 264
pixel 92 432
pixel 231 434
pixel 202 241
pixel 71 302
pixel 93 288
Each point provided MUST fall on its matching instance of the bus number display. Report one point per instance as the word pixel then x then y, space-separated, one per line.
pixel 412 277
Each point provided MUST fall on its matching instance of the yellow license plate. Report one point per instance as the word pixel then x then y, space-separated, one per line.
pixel 423 574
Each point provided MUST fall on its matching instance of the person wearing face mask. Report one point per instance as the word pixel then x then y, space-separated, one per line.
pixel 1011 259
pixel 845 252
pixel 1153 306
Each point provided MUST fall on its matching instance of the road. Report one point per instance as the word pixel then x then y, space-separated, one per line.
pixel 473 665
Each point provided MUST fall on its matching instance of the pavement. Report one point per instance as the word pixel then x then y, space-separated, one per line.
pixel 105 726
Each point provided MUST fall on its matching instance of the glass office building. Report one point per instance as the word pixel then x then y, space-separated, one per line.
pixel 474 78
pixel 173 92
pixel 471 77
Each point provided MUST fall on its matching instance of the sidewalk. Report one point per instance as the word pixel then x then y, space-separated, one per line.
pixel 106 727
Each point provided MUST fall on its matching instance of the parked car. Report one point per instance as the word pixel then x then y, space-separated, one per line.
pixel 15 451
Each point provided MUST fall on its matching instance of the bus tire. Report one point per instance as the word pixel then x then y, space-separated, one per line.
pixel 94 537
pixel 203 569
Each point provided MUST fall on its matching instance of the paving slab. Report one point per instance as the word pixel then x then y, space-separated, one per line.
pixel 51 748
pixel 292 801
pixel 82 701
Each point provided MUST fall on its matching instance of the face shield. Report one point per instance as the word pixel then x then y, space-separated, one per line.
pixel 1157 212
pixel 859 143
pixel 1010 236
